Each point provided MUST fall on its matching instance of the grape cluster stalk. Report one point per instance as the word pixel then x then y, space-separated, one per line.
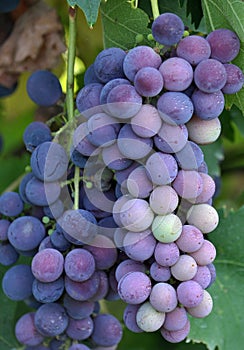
pixel 124 211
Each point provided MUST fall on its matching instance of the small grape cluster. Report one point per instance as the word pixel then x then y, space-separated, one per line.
pixel 124 212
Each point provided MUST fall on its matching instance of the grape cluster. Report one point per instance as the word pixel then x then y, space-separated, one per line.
pixel 121 207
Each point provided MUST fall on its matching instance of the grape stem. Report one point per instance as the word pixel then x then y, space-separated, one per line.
pixel 76 187
pixel 155 8
pixel 71 63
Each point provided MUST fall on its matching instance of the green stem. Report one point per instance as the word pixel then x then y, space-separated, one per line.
pixel 155 8
pixel 71 63
pixel 76 187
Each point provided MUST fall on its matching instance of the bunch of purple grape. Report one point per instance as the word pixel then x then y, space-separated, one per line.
pixel 120 208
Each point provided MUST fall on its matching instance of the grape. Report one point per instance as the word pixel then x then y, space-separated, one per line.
pixel 78 309
pixel 176 336
pixel 8 255
pixel 167 29
pixel 99 203
pixel 190 240
pixel 114 159
pixel 51 319
pixel 8 6
pixel 22 187
pixel 185 268
pixel 80 224
pixel 163 200
pixel 148 81
pixel 77 158
pixel 103 288
pixel 166 254
pixel 81 143
pixel 136 215
pixel 175 108
pixel 171 138
pixel 203 276
pixel 193 49
pixel 163 297
pixel 212 270
pixel 79 265
pixel 140 57
pixel 203 216
pixel 47 265
pixel 224 43
pixel 208 106
pixel 149 319
pixel 48 292
pixel 177 74
pixel 102 130
pixel 79 329
pixel 134 287
pixel 108 64
pixel 78 347
pixel 123 101
pixel 188 184
pixel 190 157
pixel 107 330
pixel 103 251
pixel 139 246
pixel 138 183
pixel 175 319
pixel 88 97
pixel 35 134
pixel 54 210
pixel 11 204
pixel 45 243
pixel 204 308
pixel 129 318
pixel 161 168
pixel 127 266
pixel 4 225
pixel 108 87
pixel 210 75
pixel 49 161
pixel 43 88
pixel 107 226
pixel 26 332
pixel 166 228
pixel 189 293
pixel 206 254
pixel 90 75
pixel 26 232
pixel 235 79
pixel 203 131
pixel 159 273
pixel 82 291
pixel 147 122
pixel 131 145
pixel 117 208
pixel 42 193
pixel 208 189
pixel 6 91
pixel 17 282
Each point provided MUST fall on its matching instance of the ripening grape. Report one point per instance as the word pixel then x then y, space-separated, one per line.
pixel 167 29
pixel 210 75
pixel 193 49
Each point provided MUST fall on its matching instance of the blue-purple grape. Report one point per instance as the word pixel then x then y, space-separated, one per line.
pixel 148 81
pixel 190 157
pixel 26 332
pixel 134 287
pixel 235 79
pixel 176 336
pixel 138 183
pixel 161 168
pixel 159 273
pixel 188 184
pixel 189 293
pixel 203 276
pixel 107 330
pixel 79 329
pixel 11 204
pixel 35 134
pixel 163 297
pixel 171 138
pixel 194 49
pixel 190 240
pixel 206 254
pixel 210 75
pixel 147 122
pixel 167 29
pixel 139 246
pixel 47 265
pixel 127 266
pixel 48 292
pixel 4 225
pixel 82 291
pixel 129 318
pixel 41 193
pixel 108 87
pixel 8 254
pixel 79 264
pixel 175 319
pixel 78 309
pixel 208 105
pixel 166 254
pixel 204 308
pixel 88 97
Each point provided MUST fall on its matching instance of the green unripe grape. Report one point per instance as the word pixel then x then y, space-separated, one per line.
pixel 150 37
pixel 149 319
pixel 139 38
pixel 166 228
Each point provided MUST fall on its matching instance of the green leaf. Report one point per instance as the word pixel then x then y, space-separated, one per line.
pixel 228 14
pixel 213 155
pixel 89 7
pixel 122 23
pixel 224 326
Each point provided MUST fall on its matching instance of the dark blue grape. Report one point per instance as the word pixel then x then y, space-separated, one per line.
pixel 88 97
pixel 90 76
pixel 54 210
pixel 8 5
pixel 4 225
pixel 208 105
pixel 11 204
pixel 82 291
pixel 109 86
pixel 42 193
pixel 35 134
pixel 78 309
pixel 8 255
pixel 77 158
pixel 79 264
pixel 48 292
pixel 107 330
pixel 168 28
pixel 59 241
pixel 22 186
pixel 80 329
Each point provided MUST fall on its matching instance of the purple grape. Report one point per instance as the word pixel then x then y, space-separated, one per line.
pixel 45 243
pixel 79 265
pixel 168 28
pixel 163 297
pixel 188 184
pixel 11 204
pixel 79 329
pixel 108 87
pixel 203 276
pixel 190 240
pixel 51 319
pixel 88 97
pixel 4 225
pixel 134 287
pixel 22 187
pixel 26 233
pixel 54 210
pixel 208 189
pixel 127 266
pixel 176 319
pixel 138 183
pixel 224 43
pixel 176 336
pixel 82 291
pixel 129 318
pixel 171 138
pixel 47 265
pixel 208 106
pixel 159 273
pixel 139 246
pixel 206 254
pixel 175 108
pixel 212 270
pixel 35 134
pixel 103 288
pixel 114 159
pixel 78 309
pixel 59 242
pixel 193 49
pixel 210 75
pixel 148 81
pixel 90 76
pixel 8 254
pixel 44 88
pixel 235 79
pixel 166 254
pixel 204 308
pixel 147 122
pixel 107 330
pixel 108 64
pixel 140 57
pixel 81 143
pixel 189 293
pixel 190 157
pixel 77 158
pixel 17 282
pixel 26 332
pixel 163 200
pixel 177 74
pixel 185 268
pixel 41 193
pixel 78 347
pixel 161 168
pixel 48 292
